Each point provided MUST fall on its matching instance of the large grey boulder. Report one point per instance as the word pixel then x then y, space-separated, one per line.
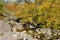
pixel 4 27
pixel 9 36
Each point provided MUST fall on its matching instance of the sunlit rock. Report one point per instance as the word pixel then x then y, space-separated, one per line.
pixel 9 36
pixel 18 26
pixel 4 27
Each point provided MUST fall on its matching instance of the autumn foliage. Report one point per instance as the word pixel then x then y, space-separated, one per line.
pixel 42 12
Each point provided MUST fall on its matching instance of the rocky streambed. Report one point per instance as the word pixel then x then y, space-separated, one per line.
pixel 11 30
